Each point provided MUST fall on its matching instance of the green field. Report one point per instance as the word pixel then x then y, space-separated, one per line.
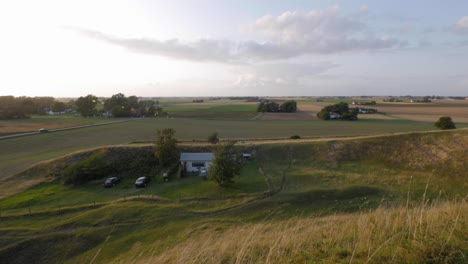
pixel 228 111
pixel 395 198
pixel 18 153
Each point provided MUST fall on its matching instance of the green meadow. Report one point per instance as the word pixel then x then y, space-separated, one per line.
pixel 396 198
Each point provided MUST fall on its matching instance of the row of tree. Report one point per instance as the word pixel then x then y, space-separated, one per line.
pixel 119 106
pixel 22 107
pixel 270 106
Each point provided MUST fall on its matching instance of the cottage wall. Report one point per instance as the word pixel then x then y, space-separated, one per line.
pixel 189 165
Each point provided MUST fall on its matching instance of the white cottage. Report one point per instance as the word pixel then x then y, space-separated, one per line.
pixel 194 162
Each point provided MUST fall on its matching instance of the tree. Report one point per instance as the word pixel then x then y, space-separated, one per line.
pixel 267 106
pixel 342 109
pixel 226 165
pixel 59 107
pixel 213 138
pixel 324 115
pixel 86 106
pixel 289 106
pixel 445 122
pixel 118 105
pixel 166 150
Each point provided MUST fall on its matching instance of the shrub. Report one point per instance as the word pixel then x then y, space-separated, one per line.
pixel 213 138
pixel 295 137
pixel 445 122
pixel 92 168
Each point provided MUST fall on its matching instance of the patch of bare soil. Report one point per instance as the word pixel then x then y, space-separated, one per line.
pixel 376 116
pixel 310 107
pixel 299 115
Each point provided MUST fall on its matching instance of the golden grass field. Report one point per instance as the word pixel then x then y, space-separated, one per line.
pixel 398 235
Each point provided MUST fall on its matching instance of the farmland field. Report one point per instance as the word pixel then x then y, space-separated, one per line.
pixel 18 153
pixel 424 112
pixel 34 123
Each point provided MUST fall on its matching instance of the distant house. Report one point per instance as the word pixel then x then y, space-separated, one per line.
pixel 50 112
pixel 194 162
pixel 334 115
pixel 246 155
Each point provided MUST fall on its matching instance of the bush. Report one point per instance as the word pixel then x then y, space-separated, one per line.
pixel 295 137
pixel 445 122
pixel 213 138
pixel 92 168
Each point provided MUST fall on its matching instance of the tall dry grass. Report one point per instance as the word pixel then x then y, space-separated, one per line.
pixel 429 233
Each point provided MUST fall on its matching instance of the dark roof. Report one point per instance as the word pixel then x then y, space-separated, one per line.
pixel 205 156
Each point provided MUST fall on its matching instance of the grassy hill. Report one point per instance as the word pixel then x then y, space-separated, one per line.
pixel 396 198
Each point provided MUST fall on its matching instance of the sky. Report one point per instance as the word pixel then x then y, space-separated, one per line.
pixel 233 48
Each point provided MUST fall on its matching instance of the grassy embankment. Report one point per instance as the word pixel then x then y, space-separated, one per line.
pixel 395 198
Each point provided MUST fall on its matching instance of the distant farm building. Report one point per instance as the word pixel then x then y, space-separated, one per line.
pixel 334 115
pixel 194 162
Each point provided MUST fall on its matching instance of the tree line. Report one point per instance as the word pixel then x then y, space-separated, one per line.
pixel 270 106
pixel 23 107
pixel 119 106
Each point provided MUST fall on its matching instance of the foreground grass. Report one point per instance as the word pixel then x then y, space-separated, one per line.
pixel 145 232
pixel 429 233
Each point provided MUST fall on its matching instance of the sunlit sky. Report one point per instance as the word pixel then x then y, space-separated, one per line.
pixel 233 48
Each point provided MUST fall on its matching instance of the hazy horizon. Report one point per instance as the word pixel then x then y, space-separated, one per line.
pixel 240 48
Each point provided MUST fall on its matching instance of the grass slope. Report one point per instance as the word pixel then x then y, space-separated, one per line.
pixel 389 199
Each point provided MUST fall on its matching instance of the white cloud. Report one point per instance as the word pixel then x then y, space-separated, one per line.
pixel 278 74
pixel 287 35
pixel 462 25
pixel 321 31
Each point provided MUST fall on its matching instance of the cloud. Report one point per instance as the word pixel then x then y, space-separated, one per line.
pixel 288 35
pixel 321 32
pixel 200 50
pixel 462 25
pixel 278 74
